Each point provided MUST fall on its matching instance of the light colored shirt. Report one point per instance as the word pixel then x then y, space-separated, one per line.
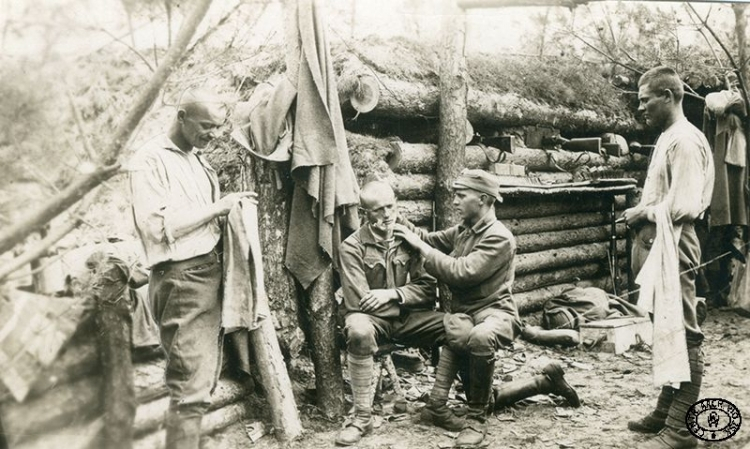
pixel 681 173
pixel 167 184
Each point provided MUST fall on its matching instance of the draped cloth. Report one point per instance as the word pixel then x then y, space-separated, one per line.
pixel 244 302
pixel 661 295
pixel 326 193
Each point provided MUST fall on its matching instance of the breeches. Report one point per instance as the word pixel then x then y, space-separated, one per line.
pixel 417 328
pixel 689 252
pixel 493 328
pixel 185 299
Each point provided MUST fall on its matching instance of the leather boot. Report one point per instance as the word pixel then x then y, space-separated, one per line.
pixel 481 372
pixel 183 430
pixel 654 421
pixel 437 412
pixel 360 424
pixel 550 381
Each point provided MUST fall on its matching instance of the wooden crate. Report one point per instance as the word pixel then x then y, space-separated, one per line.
pixel 618 334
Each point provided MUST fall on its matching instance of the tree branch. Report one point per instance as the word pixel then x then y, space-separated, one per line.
pixel 130 47
pixel 79 124
pixel 39 249
pixel 74 192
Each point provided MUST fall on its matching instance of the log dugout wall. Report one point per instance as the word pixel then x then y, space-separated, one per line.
pixel 563 239
pixel 64 406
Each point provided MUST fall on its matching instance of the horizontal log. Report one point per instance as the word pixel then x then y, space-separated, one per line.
pixel 533 300
pixel 421 158
pixel 531 243
pixel 418 186
pixel 534 206
pixel 521 226
pixel 151 415
pixel 565 257
pixel 72 402
pixel 403 99
pixel 85 435
pixel 420 211
pixel 61 407
pixel 212 422
pixel 81 435
pixel 533 281
pixel 412 187
pixel 554 160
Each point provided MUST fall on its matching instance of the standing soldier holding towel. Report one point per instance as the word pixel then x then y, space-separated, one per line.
pixel 677 190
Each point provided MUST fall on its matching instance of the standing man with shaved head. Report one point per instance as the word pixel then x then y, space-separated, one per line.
pixel 387 297
pixel 677 190
pixel 177 211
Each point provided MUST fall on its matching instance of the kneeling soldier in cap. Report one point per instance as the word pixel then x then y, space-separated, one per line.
pixel 476 259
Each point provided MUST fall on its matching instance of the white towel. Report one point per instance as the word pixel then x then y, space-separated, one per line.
pixel 661 295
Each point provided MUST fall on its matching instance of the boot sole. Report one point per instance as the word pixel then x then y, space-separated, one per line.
pixel 556 374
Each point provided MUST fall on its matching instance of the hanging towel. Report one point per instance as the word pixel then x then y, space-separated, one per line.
pixel 661 295
pixel 244 302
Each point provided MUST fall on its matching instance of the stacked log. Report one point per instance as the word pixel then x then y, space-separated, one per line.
pixel 563 239
pixel 64 407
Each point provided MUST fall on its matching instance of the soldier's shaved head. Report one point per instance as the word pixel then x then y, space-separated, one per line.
pixel 373 192
pixel 200 113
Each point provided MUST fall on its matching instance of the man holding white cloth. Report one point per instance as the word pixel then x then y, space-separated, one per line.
pixel 677 190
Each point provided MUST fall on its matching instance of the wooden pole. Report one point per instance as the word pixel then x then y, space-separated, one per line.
pixel 264 342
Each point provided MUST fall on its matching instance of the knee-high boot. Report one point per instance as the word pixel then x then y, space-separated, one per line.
pixel 437 412
pixel 481 372
pixel 550 381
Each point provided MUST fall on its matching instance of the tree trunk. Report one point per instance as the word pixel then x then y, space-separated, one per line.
pixel 321 312
pixel 452 135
